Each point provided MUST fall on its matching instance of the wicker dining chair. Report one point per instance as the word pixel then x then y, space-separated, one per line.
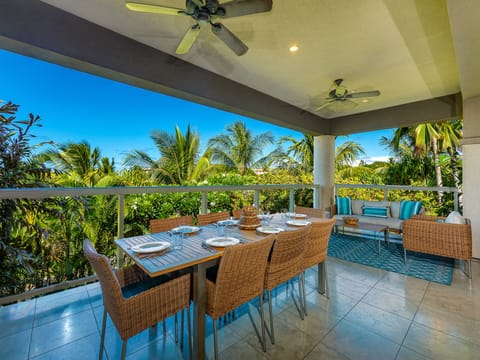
pixel 284 264
pixel 315 253
pixel 161 225
pixel 311 212
pixel 205 219
pixel 239 279
pixel 134 301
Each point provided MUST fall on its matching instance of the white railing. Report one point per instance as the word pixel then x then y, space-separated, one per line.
pixel 121 192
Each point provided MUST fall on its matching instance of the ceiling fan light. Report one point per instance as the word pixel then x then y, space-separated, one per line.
pixel 364 101
pixel 293 48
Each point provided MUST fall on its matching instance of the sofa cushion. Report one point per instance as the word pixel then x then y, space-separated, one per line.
pixel 455 218
pixel 395 209
pixel 376 211
pixel 357 207
pixel 344 205
pixel 409 208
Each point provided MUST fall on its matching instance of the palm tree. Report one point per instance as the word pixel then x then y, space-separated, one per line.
pixel 301 151
pixel 450 134
pixel 179 160
pixel 347 153
pixel 79 164
pixel 239 150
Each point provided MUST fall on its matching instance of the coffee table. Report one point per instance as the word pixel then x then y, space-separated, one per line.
pixel 376 229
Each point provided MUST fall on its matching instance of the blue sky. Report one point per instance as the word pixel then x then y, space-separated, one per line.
pixel 118 118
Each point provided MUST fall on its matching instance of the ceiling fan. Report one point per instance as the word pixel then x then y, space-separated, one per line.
pixel 340 93
pixel 206 12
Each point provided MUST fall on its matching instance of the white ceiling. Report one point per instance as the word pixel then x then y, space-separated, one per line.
pixel 402 48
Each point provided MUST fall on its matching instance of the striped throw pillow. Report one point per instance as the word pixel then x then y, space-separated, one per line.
pixel 344 205
pixel 375 211
pixel 409 208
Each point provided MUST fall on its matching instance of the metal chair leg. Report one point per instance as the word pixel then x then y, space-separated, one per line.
pixel 164 329
pixel 102 338
pixel 404 255
pixel 300 297
pixel 124 349
pixel 270 313
pixel 304 293
pixel 262 319
pixel 467 264
pixel 189 329
pixel 182 328
pixel 325 279
pixel 176 329
pixel 215 343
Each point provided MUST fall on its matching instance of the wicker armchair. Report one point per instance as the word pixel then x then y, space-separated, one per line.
pixel 426 234
pixel 139 309
pixel 205 219
pixel 239 279
pixel 160 225
pixel 315 253
pixel 312 212
pixel 285 263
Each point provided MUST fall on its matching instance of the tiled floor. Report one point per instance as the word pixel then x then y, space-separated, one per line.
pixel 371 314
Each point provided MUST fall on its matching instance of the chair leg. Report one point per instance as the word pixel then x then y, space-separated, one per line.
pixel 300 297
pixel 262 319
pixel 270 313
pixel 182 329
pixel 102 338
pixel 304 293
pixel 467 264
pixel 189 329
pixel 325 279
pixel 164 329
pixel 124 349
pixel 404 255
pixel 215 343
pixel 176 329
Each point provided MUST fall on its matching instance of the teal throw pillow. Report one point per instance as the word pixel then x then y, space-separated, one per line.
pixel 409 208
pixel 375 211
pixel 344 205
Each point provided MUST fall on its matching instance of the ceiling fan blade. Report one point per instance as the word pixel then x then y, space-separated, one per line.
pixel 324 105
pixel 229 38
pixel 155 9
pixel 188 39
pixel 245 7
pixel 363 94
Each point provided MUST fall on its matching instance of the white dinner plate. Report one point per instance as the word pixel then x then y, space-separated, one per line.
pixel 186 229
pixel 269 229
pixel 298 222
pixel 228 222
pixel 297 216
pixel 222 241
pixel 150 247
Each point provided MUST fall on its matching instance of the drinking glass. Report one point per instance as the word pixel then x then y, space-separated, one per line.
pixel 178 240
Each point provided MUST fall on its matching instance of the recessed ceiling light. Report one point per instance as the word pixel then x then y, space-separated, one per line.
pixel 293 48
pixel 365 100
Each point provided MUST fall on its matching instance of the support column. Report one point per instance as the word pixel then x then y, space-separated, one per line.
pixel 471 167
pixel 324 170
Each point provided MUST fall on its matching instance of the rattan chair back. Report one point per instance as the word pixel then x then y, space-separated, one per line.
pixel 240 276
pixel 205 219
pixel 286 258
pixel 311 212
pixel 316 243
pixel 161 225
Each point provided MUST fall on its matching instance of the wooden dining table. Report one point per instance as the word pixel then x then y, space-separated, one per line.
pixel 198 257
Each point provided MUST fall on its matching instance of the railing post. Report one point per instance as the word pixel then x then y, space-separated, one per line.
pixel 121 226
pixel 385 193
pixel 455 200
pixel 204 208
pixel 256 199
pixel 291 203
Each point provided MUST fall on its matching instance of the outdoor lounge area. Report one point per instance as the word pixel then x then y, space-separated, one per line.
pixel 371 314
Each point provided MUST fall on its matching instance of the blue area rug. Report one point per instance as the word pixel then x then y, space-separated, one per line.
pixel 365 251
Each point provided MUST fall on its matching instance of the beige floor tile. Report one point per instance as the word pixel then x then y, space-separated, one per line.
pixel 449 322
pixel 243 351
pixel 392 303
pixel 349 287
pixel 356 342
pixel 379 321
pixel 323 352
pixel 338 304
pixel 408 354
pixel 405 286
pixel 439 345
